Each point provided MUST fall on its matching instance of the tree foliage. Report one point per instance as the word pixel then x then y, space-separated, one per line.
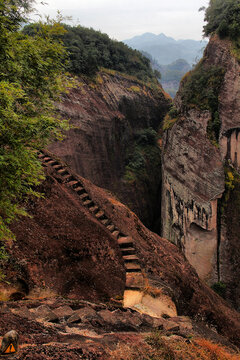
pixel 90 50
pixel 200 89
pixel 30 80
pixel 223 17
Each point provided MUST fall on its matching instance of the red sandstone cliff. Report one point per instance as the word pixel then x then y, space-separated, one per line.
pixel 195 213
pixel 106 116
pixel 79 243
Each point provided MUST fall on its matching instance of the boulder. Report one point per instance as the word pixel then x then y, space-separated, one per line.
pixel 82 315
pixel 64 312
pixel 44 313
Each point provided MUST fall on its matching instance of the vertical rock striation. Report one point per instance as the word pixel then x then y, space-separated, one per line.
pixel 195 210
pixel 107 117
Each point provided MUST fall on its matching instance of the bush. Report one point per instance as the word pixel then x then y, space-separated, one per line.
pixel 146 137
pixel 200 90
pixel 219 288
pixel 31 79
pixel 223 17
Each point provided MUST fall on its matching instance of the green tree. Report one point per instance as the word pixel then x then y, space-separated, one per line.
pixel 31 79
pixel 89 50
pixel 223 17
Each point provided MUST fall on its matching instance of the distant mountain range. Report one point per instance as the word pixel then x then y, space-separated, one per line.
pixel 165 49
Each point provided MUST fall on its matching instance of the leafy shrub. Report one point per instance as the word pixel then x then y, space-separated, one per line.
pixel 200 90
pixel 223 17
pixel 136 160
pixel 143 156
pixel 173 112
pixel 232 179
pixel 170 118
pixel 219 288
pixel 30 81
pixel 146 137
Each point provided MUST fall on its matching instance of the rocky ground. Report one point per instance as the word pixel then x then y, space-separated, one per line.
pixel 57 328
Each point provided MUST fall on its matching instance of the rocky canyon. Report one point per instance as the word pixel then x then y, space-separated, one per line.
pixel 126 244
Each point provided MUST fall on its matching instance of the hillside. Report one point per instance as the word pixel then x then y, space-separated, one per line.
pixel 166 49
pixel 89 50
pixel 66 235
pixel 171 74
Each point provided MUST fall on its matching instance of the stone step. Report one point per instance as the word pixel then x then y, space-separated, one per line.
pixel 47 159
pixel 88 203
pixel 63 172
pixel 128 251
pixel 84 196
pixel 94 209
pixel 130 258
pixel 56 167
pixel 53 162
pixel 67 177
pixel 79 190
pixel 41 155
pixel 111 227
pixel 99 214
pixel 116 233
pixel 74 183
pixel 134 281
pixel 126 241
pixel 132 267
pixel 105 221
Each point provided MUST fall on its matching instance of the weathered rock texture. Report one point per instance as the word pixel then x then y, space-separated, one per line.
pixel 65 248
pixel 93 331
pixel 106 116
pixel 194 180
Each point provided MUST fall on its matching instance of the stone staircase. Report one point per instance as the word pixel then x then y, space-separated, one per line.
pixel 134 275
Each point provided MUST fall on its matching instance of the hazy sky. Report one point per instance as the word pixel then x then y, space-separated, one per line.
pixel 123 19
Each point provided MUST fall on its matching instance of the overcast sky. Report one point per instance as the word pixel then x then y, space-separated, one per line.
pixel 123 19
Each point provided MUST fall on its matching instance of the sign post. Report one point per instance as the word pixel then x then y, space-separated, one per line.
pixel 10 343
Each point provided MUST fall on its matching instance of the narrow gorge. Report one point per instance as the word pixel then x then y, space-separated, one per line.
pixel 119 206
pixel 176 179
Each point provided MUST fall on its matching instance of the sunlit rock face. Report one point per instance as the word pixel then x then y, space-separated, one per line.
pixel 193 215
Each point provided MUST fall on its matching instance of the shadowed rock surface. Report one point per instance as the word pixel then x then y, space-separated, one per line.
pixel 195 210
pixel 107 117
pixel 43 257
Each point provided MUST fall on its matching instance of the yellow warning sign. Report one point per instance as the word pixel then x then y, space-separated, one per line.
pixel 10 349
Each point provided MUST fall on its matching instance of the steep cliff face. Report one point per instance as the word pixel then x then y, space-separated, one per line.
pixel 70 248
pixel 107 143
pixel 193 215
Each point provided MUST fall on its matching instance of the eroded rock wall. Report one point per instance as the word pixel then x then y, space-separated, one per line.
pixel 105 117
pixel 193 180
pixel 193 215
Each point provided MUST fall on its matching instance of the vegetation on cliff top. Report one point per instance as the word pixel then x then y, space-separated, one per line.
pixel 30 80
pixel 223 18
pixel 200 89
pixel 89 50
